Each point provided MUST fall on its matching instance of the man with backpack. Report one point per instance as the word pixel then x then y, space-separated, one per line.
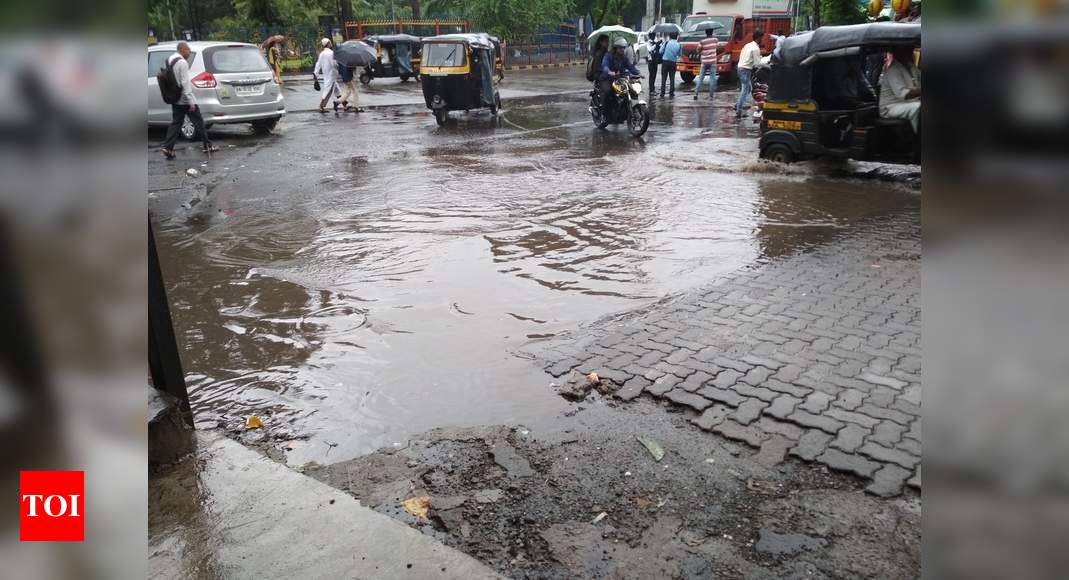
pixel 176 87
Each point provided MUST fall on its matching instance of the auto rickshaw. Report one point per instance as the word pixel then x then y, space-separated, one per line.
pixel 458 74
pixel 820 101
pixel 398 56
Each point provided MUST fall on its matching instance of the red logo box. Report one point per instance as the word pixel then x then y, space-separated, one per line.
pixel 51 506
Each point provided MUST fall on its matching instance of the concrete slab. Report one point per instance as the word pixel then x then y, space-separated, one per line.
pixel 227 511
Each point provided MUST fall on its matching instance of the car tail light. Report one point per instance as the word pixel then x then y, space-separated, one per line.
pixel 204 80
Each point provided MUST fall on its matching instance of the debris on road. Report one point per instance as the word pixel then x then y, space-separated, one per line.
pixel 192 172
pixel 600 517
pixel 505 456
pixel 253 422
pixel 417 506
pixel 652 446
pixel 577 387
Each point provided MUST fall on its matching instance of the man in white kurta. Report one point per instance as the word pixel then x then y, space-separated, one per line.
pixel 900 89
pixel 327 71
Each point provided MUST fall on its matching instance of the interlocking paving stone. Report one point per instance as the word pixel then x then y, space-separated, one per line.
pixel 848 462
pixel 723 395
pixel 887 455
pixel 822 422
pixel 712 416
pixel 888 480
pixel 787 388
pixel 821 345
pixel 664 384
pixel 681 397
pixel 695 381
pixel 852 417
pixel 732 430
pixel 915 481
pixel 849 438
pixel 887 433
pixel 749 411
pixel 849 399
pixel 762 393
pixel 816 402
pixel 773 451
pixel 632 388
pixel 782 406
pixel 811 444
pixel 772 426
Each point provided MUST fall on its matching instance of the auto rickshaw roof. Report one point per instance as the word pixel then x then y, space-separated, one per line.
pixel 793 50
pixel 475 40
pixel 393 39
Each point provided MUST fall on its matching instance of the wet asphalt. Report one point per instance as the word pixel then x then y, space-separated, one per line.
pixel 358 278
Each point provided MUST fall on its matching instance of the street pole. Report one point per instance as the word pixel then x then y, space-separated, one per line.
pixel 816 14
pixel 658 19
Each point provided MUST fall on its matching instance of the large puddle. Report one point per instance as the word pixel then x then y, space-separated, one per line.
pixel 356 281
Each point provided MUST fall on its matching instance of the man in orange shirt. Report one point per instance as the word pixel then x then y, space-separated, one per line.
pixel 708 48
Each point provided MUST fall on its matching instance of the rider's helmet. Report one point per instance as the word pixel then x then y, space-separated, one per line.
pixel 619 43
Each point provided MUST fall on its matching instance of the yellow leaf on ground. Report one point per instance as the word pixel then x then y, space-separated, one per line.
pixel 417 506
pixel 253 422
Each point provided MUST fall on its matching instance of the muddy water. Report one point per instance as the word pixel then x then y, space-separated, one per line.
pixel 390 280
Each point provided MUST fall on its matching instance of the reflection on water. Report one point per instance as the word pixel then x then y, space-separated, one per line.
pixel 385 290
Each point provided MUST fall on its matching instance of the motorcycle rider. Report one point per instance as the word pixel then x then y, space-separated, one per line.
pixel 613 65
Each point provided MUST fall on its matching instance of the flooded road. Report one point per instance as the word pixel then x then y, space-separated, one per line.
pixel 361 279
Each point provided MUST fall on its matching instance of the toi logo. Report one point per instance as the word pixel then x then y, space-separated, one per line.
pixel 51 506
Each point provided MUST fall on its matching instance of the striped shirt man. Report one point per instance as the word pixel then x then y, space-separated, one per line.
pixel 708 47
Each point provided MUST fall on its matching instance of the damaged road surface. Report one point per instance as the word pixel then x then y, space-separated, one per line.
pixel 591 502
pixel 565 352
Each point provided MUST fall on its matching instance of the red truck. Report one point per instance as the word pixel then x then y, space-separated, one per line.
pixel 739 18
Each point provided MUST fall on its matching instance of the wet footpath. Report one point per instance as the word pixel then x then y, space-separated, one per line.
pixel 403 305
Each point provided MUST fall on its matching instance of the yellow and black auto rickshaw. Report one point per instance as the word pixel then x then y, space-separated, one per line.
pixel 398 56
pixel 823 96
pixel 458 74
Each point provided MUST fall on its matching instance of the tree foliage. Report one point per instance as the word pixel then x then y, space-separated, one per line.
pixel 834 12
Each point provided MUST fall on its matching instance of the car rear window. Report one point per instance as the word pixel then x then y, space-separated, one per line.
pixel 157 59
pixel 234 59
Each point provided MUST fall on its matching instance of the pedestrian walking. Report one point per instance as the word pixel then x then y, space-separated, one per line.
pixel 669 58
pixel 708 47
pixel 183 102
pixel 653 58
pixel 327 73
pixel 749 58
pixel 348 83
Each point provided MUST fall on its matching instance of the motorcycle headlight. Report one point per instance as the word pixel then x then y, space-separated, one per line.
pixel 636 87
pixel 726 58
pixel 619 88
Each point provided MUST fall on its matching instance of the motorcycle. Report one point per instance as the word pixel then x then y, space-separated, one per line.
pixel 759 88
pixel 624 104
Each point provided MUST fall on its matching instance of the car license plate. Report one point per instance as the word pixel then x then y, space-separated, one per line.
pixel 249 90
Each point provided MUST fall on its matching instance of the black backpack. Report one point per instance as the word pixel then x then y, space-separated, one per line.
pixel 170 90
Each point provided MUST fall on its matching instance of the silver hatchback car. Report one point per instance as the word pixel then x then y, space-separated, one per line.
pixel 232 83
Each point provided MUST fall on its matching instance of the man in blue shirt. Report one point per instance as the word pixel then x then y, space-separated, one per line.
pixel 613 65
pixel 669 58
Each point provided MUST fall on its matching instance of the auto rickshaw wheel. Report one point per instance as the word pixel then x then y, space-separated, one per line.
pixel 779 153
pixel 365 79
pixel 440 116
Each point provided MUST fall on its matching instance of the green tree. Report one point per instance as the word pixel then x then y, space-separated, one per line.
pixel 504 18
pixel 833 12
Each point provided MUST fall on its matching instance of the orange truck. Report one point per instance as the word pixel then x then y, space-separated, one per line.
pixel 738 19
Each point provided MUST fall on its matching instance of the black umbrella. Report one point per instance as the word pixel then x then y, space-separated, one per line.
pixel 708 25
pixel 666 28
pixel 354 53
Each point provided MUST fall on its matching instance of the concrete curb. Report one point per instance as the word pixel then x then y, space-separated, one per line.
pixel 262 519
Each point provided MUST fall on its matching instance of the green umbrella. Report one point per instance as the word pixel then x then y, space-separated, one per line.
pixel 613 32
